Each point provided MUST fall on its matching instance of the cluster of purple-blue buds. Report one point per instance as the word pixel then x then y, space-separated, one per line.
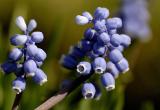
pixel 25 59
pixel 99 51
pixel 136 19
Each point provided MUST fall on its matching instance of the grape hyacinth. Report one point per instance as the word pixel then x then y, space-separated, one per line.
pixel 25 58
pixel 136 18
pixel 100 51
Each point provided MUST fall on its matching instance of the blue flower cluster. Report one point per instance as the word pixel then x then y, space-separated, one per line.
pixel 26 58
pixel 136 18
pixel 100 51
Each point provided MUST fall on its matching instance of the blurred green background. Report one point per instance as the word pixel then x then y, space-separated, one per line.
pixel 139 89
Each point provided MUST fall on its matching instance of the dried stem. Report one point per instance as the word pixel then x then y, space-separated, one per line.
pixel 63 93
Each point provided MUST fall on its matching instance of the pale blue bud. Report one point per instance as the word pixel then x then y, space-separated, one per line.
pixel 19 85
pixel 88 91
pixel 37 37
pixel 21 23
pixel 87 15
pixel 32 25
pixel 99 65
pixel 108 81
pixel 84 68
pixel 32 50
pixel 40 77
pixel 40 55
pixel 115 55
pixel 15 54
pixel 123 65
pixel 81 20
pixel 30 67
pixel 18 40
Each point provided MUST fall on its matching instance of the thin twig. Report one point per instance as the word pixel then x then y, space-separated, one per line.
pixel 17 101
pixel 63 93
